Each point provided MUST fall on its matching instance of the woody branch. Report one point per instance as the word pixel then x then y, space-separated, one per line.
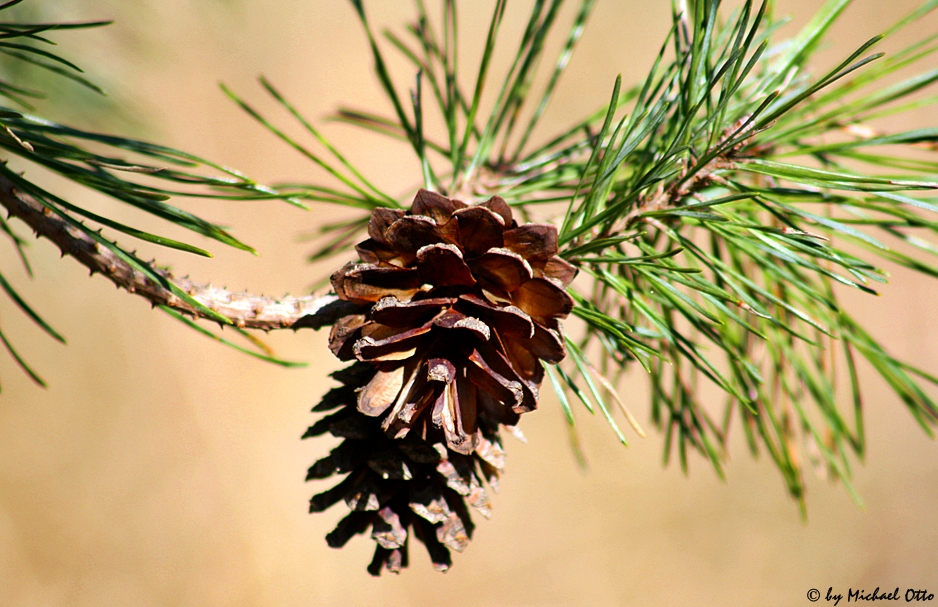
pixel 244 310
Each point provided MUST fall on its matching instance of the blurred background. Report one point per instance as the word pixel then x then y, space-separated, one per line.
pixel 161 468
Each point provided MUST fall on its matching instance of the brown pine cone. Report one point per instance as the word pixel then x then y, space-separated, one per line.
pixel 465 304
pixel 458 307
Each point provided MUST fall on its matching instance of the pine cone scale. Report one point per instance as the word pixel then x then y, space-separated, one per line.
pixel 443 265
pixel 543 299
pixel 502 268
pixel 434 205
pixel 412 232
pixel 380 343
pixel 392 312
pixel 533 241
pixel 381 392
pixel 510 320
pixel 478 229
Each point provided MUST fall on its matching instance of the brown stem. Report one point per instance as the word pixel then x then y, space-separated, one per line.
pixel 243 310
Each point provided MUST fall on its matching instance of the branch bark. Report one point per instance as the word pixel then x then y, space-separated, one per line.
pixel 244 310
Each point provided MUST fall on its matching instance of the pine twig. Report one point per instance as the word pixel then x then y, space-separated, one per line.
pixel 243 310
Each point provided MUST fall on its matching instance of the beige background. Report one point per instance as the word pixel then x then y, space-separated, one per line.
pixel 160 468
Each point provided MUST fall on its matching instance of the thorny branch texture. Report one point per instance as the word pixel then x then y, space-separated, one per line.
pixel 243 310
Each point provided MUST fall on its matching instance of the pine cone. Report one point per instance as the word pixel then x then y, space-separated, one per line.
pixel 466 305
pixel 458 307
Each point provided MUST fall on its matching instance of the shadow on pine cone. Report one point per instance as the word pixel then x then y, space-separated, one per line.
pixel 458 307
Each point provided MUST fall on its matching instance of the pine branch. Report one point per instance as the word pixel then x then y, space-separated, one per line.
pixel 711 210
pixel 243 310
